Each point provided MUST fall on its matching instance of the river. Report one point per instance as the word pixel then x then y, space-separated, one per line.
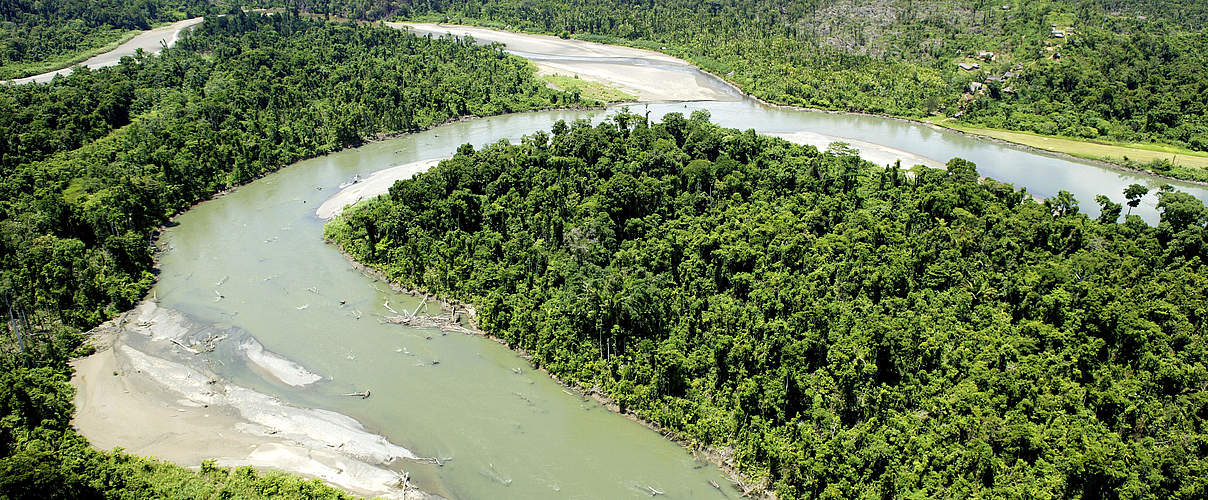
pixel 253 264
pixel 150 41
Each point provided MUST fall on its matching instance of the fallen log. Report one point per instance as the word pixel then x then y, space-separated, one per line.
pixel 439 462
pixel 212 342
pixel 185 347
pixel 421 304
pixel 426 321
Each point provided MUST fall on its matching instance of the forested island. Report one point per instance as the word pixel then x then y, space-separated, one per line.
pixel 830 327
pixel 93 163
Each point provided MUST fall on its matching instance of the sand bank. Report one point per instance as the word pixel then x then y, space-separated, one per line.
pixel 151 396
pixel 649 75
pixel 378 183
pixel 151 41
pixel 278 367
pixel 876 153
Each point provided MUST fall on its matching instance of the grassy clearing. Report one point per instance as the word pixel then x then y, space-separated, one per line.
pixel 587 89
pixel 1161 158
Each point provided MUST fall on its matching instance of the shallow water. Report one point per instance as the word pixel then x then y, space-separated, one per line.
pixel 513 435
pixel 509 434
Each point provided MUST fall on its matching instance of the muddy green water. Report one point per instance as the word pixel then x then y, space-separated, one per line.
pixel 509 435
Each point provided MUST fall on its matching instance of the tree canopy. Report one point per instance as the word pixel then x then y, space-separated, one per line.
pixel 840 330
pixel 1126 70
pixel 39 36
pixel 93 163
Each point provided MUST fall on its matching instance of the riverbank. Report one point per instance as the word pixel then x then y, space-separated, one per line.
pixel 25 70
pixel 376 184
pixel 151 41
pixel 876 153
pixel 379 182
pixel 1057 147
pixel 720 457
pixel 146 390
pixel 646 75
pixel 1123 157
pixel 379 137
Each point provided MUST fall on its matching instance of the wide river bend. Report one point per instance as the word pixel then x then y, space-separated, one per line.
pixel 298 323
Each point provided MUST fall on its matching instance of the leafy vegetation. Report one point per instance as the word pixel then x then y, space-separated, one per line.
pixel 587 89
pixel 36 37
pixel 845 330
pixel 1163 159
pixel 44 458
pixel 94 162
pixel 1123 70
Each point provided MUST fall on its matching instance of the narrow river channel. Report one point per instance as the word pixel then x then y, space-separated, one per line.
pixel 253 262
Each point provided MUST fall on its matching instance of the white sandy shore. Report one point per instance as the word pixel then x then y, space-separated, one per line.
pixel 152 402
pixel 156 322
pixel 649 75
pixel 378 183
pixel 278 367
pixel 151 41
pixel 876 153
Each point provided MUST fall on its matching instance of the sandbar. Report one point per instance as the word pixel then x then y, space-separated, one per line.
pixel 378 183
pixel 151 41
pixel 876 153
pixel 650 76
pixel 278 367
pixel 146 395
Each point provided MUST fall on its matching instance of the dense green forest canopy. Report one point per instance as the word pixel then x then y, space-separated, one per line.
pixel 846 330
pixel 92 163
pixel 34 33
pixel 1124 70
pixel 1127 70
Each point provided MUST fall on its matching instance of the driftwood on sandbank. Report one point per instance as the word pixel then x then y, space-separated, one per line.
pixel 444 324
pixel 451 323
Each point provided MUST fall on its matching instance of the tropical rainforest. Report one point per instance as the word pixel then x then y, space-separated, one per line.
pixel 1121 70
pixel 831 328
pixel 92 163
pixel 834 328
pixel 1126 71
